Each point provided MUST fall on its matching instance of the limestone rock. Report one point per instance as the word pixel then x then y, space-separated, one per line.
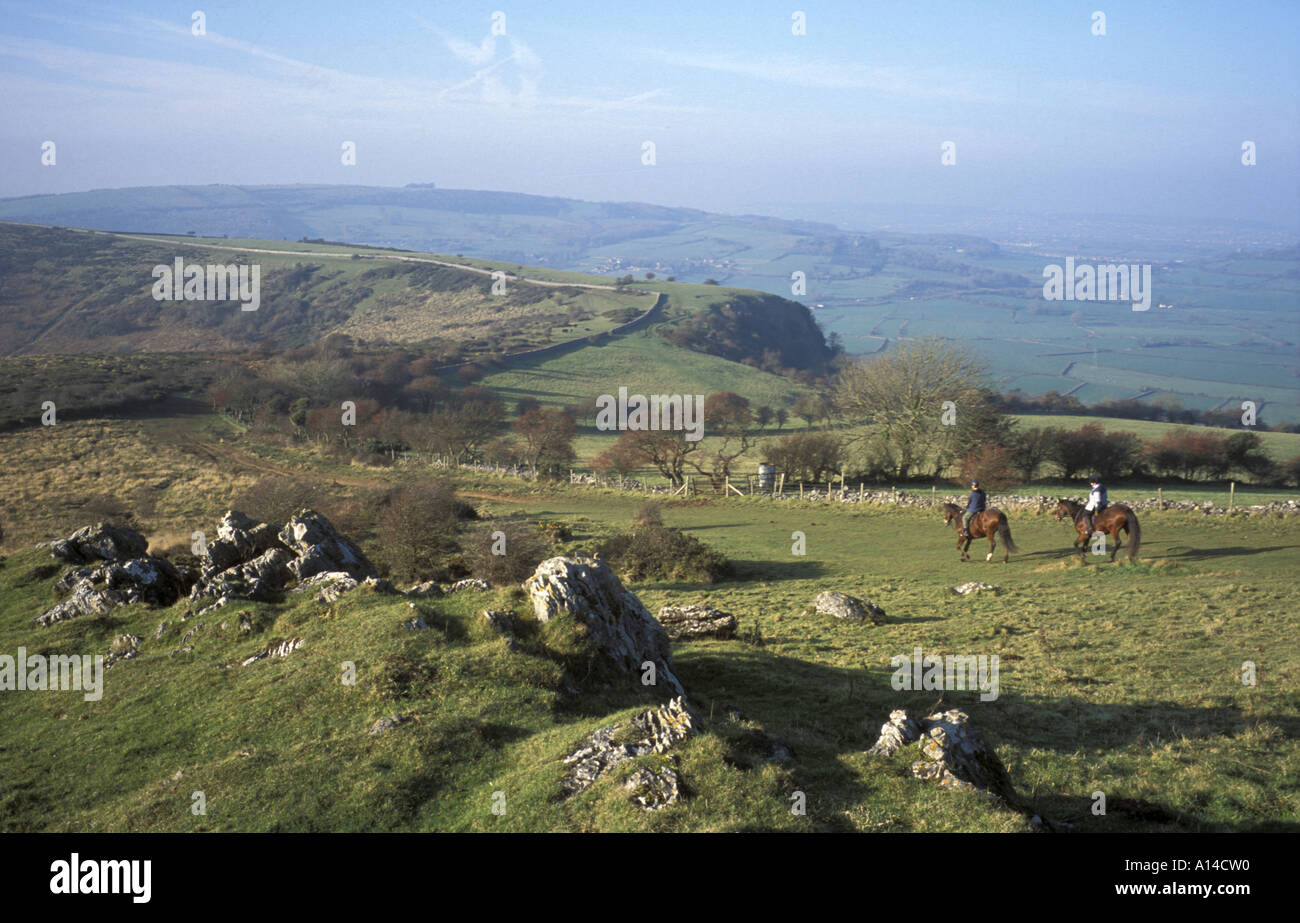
pixel 317 547
pixel 100 589
pixel 653 731
pixel 976 587
pixel 849 608
pixel 415 623
pixel 653 789
pixel 386 724
pixel 617 623
pixel 426 589
pixel 275 649
pixel 100 542
pixel 328 585
pixel 239 539
pixel 696 621
pixel 953 752
pixel 469 583
pixel 124 647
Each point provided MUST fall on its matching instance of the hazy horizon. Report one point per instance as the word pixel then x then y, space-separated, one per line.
pixel 1046 117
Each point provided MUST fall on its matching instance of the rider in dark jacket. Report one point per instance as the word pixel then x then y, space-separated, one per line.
pixel 977 504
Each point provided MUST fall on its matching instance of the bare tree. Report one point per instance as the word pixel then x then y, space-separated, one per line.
pixel 903 392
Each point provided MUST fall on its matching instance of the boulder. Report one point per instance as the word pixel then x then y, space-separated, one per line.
pixel 469 583
pixel 261 578
pixel 318 547
pixel 100 542
pixel 239 539
pixel 849 608
pixel 653 731
pixel 97 590
pixel 616 622
pixel 696 621
pixel 953 752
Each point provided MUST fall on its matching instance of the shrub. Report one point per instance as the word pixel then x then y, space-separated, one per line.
pixel 649 513
pixel 661 553
pixel 525 547
pixel 274 499
pixel 417 530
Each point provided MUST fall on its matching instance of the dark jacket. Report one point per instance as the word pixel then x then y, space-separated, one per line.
pixel 977 501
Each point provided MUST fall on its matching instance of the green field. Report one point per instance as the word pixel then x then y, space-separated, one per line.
pixel 1115 678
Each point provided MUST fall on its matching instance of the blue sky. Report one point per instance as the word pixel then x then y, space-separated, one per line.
pixel 1046 117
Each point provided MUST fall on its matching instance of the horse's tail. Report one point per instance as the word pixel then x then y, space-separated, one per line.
pixel 1134 534
pixel 1004 533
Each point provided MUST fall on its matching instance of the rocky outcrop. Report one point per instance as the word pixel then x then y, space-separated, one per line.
pixel 275 649
pixel 100 542
pixel 318 547
pixel 683 623
pixel 655 731
pixel 251 560
pixel 616 622
pixel 849 608
pixel 98 590
pixel 953 752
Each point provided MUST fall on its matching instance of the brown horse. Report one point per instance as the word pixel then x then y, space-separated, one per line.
pixel 990 524
pixel 1112 520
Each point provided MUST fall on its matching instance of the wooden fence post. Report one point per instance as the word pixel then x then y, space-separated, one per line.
pixel 1232 494
pixel 801 490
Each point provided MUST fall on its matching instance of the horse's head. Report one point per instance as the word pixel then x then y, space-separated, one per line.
pixel 949 513
pixel 1062 510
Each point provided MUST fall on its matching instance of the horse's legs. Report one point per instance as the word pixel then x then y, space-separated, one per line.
pixel 993 543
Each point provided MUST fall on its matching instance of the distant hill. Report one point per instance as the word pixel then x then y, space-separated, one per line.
pixel 65 291
pixel 502 225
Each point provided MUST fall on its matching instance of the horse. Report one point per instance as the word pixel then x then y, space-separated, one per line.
pixel 1112 520
pixel 990 524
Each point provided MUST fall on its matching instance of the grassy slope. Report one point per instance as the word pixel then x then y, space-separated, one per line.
pixel 1120 679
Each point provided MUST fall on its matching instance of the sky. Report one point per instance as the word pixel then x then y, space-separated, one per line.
pixel 560 98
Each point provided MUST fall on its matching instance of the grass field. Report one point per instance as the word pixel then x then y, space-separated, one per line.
pixel 1121 678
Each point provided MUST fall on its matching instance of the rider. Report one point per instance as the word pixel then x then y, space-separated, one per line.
pixel 1096 502
pixel 976 504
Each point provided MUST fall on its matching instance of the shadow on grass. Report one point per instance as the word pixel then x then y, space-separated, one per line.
pixel 777 570
pixel 831 712
pixel 1197 554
